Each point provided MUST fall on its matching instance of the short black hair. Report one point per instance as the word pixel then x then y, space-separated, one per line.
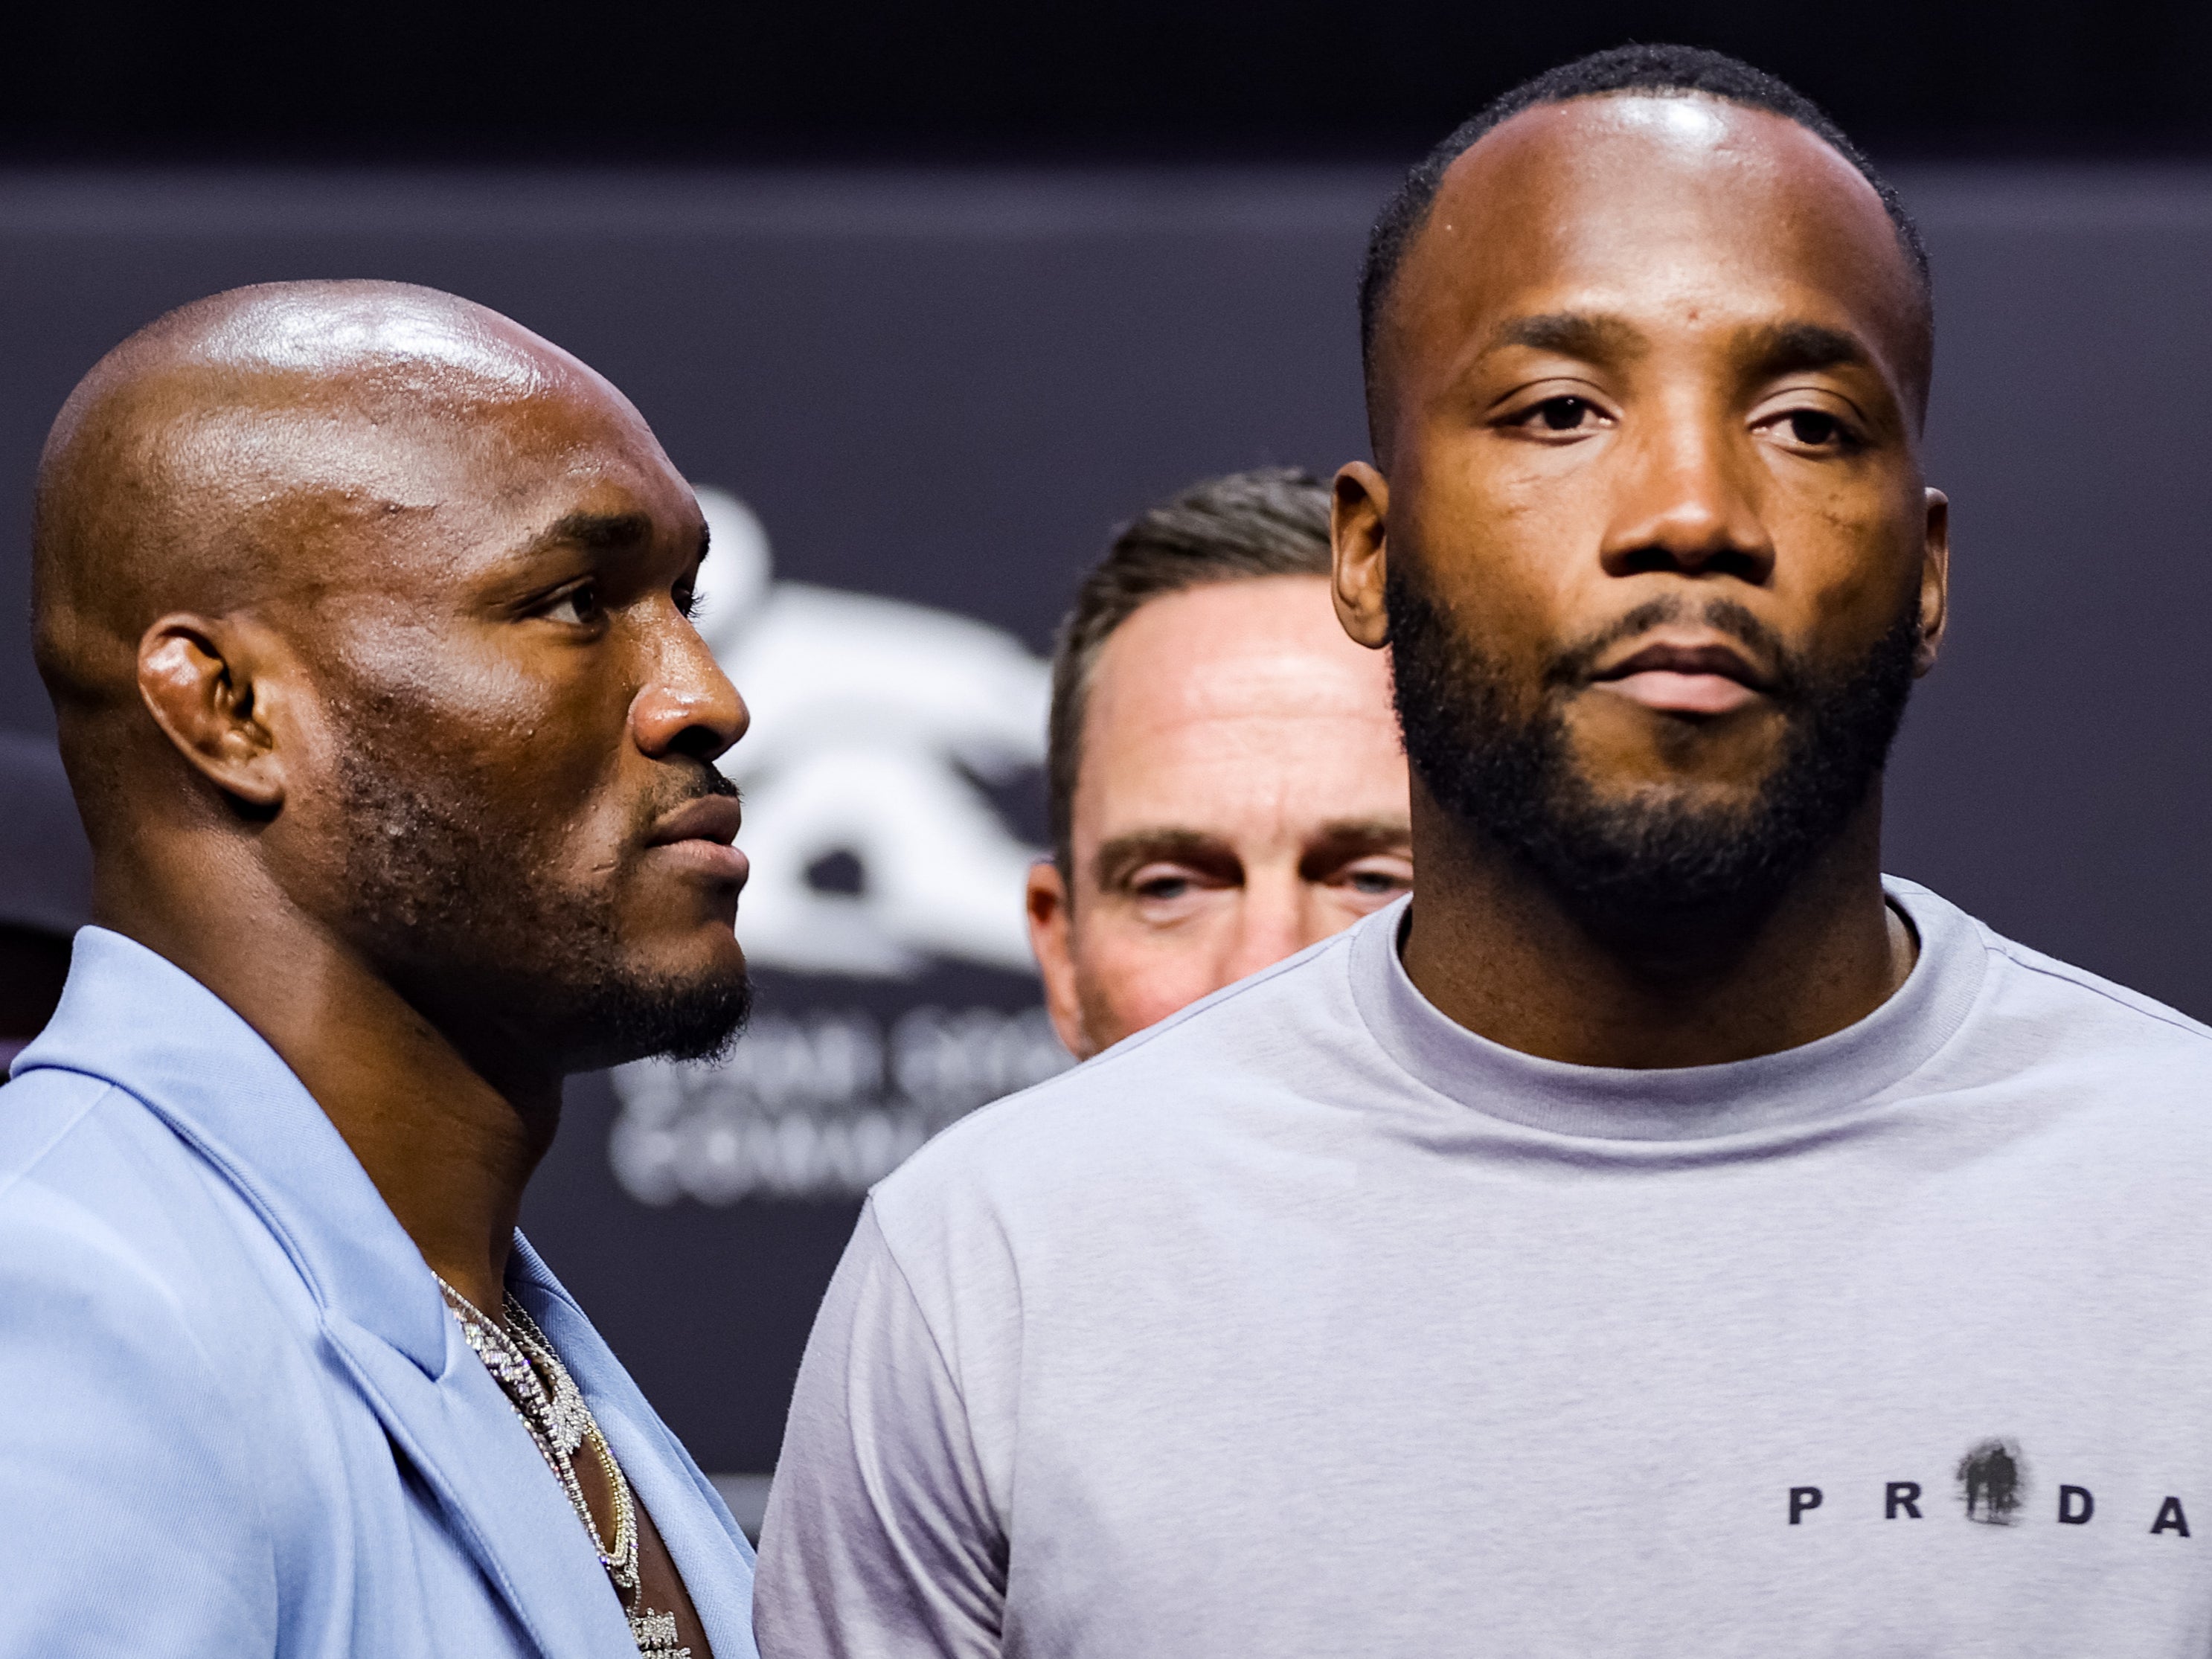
pixel 1655 68
pixel 1270 521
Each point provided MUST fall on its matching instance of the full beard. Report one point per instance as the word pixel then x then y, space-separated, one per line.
pixel 1511 779
pixel 475 930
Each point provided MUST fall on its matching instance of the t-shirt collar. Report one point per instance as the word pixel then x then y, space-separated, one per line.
pixel 1830 1077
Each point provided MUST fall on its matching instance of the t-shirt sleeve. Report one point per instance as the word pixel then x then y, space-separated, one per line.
pixel 128 1524
pixel 880 1539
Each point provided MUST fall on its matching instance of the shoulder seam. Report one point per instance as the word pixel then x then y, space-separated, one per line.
pixel 245 1474
pixel 2084 981
pixel 64 1131
pixel 906 1282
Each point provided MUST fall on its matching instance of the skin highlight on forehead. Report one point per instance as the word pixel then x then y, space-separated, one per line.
pixel 425 341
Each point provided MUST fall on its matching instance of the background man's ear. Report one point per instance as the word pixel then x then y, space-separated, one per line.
pixel 1359 507
pixel 1049 923
pixel 200 681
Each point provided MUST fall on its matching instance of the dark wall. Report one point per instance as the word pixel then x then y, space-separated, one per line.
pixel 943 390
pixel 2056 773
pixel 1009 78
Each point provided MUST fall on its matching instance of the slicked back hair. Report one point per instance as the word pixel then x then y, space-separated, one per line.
pixel 1659 70
pixel 1272 521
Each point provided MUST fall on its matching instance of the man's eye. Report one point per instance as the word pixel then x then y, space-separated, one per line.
pixel 578 605
pixel 1560 415
pixel 1815 428
pixel 687 601
pixel 1164 887
pixel 1372 882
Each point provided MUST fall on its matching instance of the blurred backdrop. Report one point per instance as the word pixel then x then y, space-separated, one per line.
pixel 925 301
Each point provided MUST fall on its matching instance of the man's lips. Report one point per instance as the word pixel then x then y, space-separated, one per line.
pixel 700 833
pixel 1709 677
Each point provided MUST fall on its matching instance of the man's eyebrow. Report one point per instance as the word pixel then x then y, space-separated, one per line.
pixel 1347 839
pixel 1118 859
pixel 1798 347
pixel 1572 334
pixel 595 532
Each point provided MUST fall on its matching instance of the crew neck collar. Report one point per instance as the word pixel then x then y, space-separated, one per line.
pixel 1816 1081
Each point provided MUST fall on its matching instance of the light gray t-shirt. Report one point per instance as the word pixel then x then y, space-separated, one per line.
pixel 1310 1324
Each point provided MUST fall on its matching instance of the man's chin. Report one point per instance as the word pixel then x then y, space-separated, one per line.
pixel 1623 754
pixel 1634 810
pixel 689 1017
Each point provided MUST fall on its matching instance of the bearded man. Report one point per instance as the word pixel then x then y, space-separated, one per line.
pixel 1659 1234
pixel 364 614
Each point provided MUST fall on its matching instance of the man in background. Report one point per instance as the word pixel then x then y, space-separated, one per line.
pixel 1224 778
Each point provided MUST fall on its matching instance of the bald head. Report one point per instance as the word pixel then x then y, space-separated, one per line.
pixel 254 442
pixel 272 448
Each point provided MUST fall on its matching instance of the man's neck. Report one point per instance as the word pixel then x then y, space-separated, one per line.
pixel 1493 947
pixel 448 1152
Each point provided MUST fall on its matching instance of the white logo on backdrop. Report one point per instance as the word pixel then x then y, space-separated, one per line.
pixel 866 714
pixel 875 853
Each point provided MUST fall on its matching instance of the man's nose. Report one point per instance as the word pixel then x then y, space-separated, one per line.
pixel 1688 502
pixel 1271 924
pixel 688 706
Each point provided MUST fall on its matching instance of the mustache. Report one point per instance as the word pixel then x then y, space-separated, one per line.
pixel 711 781
pixel 1575 666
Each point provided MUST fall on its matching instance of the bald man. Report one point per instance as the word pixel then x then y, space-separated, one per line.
pixel 364 614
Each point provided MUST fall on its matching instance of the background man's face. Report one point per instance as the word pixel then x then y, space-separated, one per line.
pixel 1241 794
pixel 514 813
pixel 1650 446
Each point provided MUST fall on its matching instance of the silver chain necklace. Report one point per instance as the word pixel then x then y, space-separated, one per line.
pixel 523 1362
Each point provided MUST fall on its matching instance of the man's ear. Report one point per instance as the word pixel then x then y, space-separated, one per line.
pixel 1934 582
pixel 1049 925
pixel 205 685
pixel 1358 515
